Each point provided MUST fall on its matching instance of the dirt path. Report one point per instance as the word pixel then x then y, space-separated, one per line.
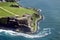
pixel 8 11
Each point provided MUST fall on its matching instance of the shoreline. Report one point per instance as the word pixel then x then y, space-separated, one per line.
pixel 36 22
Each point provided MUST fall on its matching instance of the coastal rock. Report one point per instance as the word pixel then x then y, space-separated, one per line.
pixel 15 24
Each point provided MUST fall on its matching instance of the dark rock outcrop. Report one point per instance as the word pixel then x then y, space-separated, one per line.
pixel 12 23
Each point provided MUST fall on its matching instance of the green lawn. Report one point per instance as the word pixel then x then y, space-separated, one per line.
pixel 19 11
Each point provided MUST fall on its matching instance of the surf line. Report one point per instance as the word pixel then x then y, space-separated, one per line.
pixel 8 11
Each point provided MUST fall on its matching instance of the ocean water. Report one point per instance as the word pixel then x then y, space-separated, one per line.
pixel 49 27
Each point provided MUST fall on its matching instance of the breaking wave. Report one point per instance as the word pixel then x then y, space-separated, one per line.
pixel 43 33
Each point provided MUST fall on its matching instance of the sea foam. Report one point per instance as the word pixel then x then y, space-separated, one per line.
pixel 43 33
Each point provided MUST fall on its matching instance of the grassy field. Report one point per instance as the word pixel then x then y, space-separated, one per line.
pixel 19 11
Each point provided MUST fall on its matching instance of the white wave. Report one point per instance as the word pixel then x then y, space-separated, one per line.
pixel 43 17
pixel 40 10
pixel 43 33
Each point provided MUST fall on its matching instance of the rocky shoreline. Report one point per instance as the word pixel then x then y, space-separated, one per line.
pixel 37 20
pixel 26 24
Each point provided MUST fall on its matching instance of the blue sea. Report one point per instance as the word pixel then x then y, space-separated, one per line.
pixel 49 27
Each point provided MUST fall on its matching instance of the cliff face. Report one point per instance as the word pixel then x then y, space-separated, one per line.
pixel 15 24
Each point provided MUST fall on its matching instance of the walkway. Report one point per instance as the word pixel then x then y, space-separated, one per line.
pixel 8 11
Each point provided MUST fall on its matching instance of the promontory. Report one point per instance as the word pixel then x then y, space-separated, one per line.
pixel 17 18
